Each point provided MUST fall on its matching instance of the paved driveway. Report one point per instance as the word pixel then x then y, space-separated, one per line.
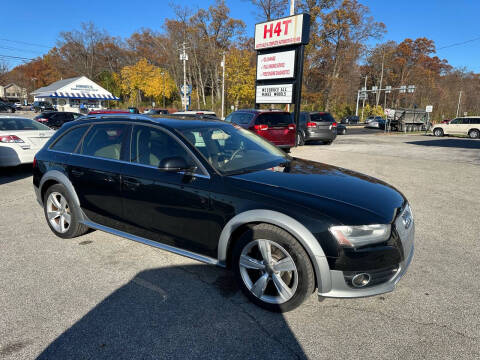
pixel 103 297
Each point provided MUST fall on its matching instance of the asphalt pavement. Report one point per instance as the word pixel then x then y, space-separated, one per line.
pixel 103 297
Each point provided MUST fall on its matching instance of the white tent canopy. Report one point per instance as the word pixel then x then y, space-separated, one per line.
pixel 75 88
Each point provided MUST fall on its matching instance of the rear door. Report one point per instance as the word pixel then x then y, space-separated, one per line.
pixel 277 128
pixel 95 170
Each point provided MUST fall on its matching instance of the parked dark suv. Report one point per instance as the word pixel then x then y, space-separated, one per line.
pixel 38 106
pixel 275 126
pixel 316 126
pixel 222 195
pixel 6 107
pixel 55 119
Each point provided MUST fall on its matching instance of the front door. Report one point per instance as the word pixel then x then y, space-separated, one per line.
pixel 94 171
pixel 168 207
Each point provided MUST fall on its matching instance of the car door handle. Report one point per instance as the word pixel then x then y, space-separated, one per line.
pixel 77 172
pixel 131 183
pixel 109 179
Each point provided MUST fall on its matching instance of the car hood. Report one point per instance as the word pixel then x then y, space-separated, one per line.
pixel 322 181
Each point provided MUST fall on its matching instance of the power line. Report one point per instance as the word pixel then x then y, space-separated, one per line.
pixel 18 49
pixel 459 43
pixel 26 43
pixel 15 57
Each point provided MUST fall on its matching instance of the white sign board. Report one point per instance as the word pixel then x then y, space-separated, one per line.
pixel 274 94
pixel 429 108
pixel 280 32
pixel 276 66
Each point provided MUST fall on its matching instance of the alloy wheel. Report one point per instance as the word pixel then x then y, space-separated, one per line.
pixel 268 271
pixel 58 212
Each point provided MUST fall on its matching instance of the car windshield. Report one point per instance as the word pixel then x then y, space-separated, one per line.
pixel 21 124
pixel 232 150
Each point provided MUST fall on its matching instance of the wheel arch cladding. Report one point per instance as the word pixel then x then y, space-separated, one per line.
pixel 287 223
pixel 56 177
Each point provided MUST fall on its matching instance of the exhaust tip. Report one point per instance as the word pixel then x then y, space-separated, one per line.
pixel 361 280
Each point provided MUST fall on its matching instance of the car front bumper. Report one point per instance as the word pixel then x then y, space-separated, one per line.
pixel 338 287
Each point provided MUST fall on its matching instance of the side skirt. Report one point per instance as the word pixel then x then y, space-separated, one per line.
pixel 189 254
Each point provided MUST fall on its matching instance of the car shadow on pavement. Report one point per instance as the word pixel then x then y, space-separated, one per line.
pixel 179 312
pixel 458 143
pixel 14 173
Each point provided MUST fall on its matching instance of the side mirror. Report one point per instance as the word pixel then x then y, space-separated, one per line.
pixel 174 164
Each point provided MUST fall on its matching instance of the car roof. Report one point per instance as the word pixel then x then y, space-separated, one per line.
pixel 177 122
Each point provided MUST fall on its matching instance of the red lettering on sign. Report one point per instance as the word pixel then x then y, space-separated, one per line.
pixel 286 22
pixel 278 29
pixel 266 31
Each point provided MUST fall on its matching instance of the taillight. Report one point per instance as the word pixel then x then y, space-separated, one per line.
pixel 34 162
pixel 261 127
pixel 10 139
pixel 334 124
pixel 291 127
pixel 42 120
pixel 311 124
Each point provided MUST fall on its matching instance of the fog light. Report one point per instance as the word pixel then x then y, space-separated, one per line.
pixel 361 280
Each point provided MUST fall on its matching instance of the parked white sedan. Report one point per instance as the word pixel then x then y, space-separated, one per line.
pixel 20 139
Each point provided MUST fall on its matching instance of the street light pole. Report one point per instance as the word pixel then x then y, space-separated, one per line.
pixel 164 84
pixel 223 85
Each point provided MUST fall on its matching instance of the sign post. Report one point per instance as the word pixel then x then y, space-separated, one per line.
pixel 280 48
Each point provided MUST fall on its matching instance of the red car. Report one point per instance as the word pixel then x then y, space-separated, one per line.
pixel 275 126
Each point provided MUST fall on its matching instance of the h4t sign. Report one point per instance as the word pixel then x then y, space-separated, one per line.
pixel 282 32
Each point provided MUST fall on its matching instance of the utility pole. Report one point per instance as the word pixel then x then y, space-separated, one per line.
pixel 363 105
pixel 183 56
pixel 223 85
pixel 458 105
pixel 381 79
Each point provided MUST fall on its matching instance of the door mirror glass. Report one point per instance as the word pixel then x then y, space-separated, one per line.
pixel 174 164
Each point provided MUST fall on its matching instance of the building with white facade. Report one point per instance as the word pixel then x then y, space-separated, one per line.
pixel 69 94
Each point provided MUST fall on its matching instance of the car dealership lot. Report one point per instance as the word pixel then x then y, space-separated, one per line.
pixel 100 296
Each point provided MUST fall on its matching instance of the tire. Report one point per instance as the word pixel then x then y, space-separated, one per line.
pixel 474 134
pixel 287 150
pixel 329 142
pixel 296 282
pixel 300 139
pixel 438 132
pixel 60 213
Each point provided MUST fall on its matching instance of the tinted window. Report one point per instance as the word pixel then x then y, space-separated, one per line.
pixel 21 124
pixel 319 117
pixel 68 142
pixel 241 118
pixel 475 121
pixel 105 141
pixel 455 121
pixel 231 150
pixel 151 145
pixel 274 119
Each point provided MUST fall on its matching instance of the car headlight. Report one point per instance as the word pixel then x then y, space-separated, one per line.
pixel 355 236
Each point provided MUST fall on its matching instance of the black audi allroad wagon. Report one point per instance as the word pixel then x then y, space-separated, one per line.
pixel 220 194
